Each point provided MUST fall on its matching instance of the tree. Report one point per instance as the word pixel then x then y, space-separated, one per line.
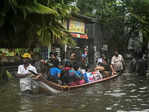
pixel 88 7
pixel 110 15
pixel 138 19
pixel 123 19
pixel 24 23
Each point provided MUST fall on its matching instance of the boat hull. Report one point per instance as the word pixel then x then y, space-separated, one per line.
pixel 66 88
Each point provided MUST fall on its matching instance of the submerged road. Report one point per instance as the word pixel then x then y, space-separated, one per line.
pixel 126 93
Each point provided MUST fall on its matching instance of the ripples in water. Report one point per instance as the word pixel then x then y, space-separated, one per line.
pixel 126 93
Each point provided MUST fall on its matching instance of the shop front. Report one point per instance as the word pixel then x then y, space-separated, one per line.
pixel 76 25
pixel 77 28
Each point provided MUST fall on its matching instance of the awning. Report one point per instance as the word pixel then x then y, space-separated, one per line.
pixel 82 36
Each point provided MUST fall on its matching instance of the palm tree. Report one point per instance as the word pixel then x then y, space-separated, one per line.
pixel 24 23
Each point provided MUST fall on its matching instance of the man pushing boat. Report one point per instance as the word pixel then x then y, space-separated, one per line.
pixel 25 76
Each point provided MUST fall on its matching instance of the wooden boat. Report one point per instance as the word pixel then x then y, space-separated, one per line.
pixel 66 87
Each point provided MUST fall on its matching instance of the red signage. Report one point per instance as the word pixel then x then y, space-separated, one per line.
pixel 82 36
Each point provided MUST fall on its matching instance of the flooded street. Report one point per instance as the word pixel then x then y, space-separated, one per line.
pixel 126 93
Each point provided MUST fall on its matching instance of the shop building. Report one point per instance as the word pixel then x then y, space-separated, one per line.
pixel 77 26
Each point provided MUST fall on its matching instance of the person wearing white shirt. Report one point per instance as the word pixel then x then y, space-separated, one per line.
pixel 23 73
pixel 117 61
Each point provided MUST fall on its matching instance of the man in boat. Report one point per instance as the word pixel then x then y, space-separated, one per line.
pixel 118 61
pixel 52 59
pixel 104 67
pixel 73 58
pixel 25 75
pixel 55 72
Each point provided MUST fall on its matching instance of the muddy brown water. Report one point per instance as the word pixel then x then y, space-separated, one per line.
pixel 126 93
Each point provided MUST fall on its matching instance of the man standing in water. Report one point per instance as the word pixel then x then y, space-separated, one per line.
pixel 117 61
pixel 24 75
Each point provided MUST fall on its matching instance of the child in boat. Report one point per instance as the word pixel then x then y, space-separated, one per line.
pixel 88 76
pixel 96 74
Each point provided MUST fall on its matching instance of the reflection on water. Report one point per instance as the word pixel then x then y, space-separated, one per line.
pixel 25 105
pixel 127 93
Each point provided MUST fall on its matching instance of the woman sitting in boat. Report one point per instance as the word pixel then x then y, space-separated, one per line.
pixel 74 77
pixel 55 72
pixel 104 67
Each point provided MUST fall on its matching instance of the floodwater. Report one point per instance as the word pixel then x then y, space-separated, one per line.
pixel 126 93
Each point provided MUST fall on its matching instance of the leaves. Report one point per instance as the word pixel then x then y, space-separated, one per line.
pixel 41 9
pixel 33 22
pixel 123 19
pixel 9 75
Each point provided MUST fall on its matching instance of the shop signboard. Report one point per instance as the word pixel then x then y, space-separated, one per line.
pixel 76 26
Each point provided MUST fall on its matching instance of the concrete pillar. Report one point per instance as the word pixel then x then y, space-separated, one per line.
pixel 91 51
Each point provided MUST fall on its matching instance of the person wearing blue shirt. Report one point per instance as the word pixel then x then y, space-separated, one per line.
pixel 79 73
pixel 55 72
pixel 86 78
pixel 87 74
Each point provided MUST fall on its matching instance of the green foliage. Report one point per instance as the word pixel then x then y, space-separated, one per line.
pixel 138 18
pixel 40 9
pixel 9 75
pixel 122 19
pixel 27 23
pixel 87 7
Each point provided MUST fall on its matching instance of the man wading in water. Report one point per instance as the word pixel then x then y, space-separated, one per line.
pixel 25 76
pixel 118 61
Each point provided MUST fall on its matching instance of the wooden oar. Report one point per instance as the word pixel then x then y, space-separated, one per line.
pixel 33 72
